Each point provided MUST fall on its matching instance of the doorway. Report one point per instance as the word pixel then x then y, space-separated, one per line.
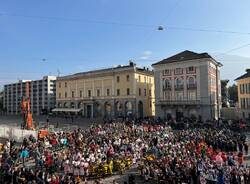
pixel 140 109
pixel 89 111
pixel 179 115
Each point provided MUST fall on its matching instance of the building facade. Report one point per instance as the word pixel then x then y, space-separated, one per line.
pixel 188 85
pixel 243 85
pixel 114 92
pixel 42 95
pixel 1 102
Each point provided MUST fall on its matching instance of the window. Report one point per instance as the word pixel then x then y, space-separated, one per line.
pixel 167 84
pixel 127 78
pixel 108 92
pixel 66 95
pixel 139 78
pixel 139 91
pixel 145 92
pixel 167 72
pixel 60 95
pixel 66 84
pixel 179 95
pixel 59 84
pixel 243 103
pixel 89 93
pixel 73 94
pixel 178 71
pixel 80 94
pixel 128 91
pixel 178 82
pixel 190 69
pixel 248 103
pixel 168 95
pixel 191 95
pixel 118 92
pixel 145 79
pixel 191 81
pixel 247 88
pixel 118 79
pixel 98 92
pixel 150 80
pixel 150 93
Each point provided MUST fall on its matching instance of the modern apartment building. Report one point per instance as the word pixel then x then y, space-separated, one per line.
pixel 42 95
pixel 243 84
pixel 112 92
pixel 1 101
pixel 188 85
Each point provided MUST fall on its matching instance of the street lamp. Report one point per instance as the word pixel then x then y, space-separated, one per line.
pixel 160 28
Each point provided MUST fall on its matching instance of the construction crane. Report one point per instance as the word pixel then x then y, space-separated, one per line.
pixel 27 116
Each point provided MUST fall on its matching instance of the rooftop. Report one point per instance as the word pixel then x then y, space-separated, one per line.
pixel 246 75
pixel 131 65
pixel 184 56
pixel 24 81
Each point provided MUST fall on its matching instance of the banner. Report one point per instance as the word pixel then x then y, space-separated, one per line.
pixel 16 133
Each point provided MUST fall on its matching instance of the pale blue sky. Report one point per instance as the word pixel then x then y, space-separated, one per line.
pixel 80 35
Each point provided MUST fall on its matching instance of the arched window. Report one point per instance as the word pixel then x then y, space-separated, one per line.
pixel 167 83
pixel 65 105
pixel 191 81
pixel 178 82
pixel 59 105
pixel 72 105
pixel 118 106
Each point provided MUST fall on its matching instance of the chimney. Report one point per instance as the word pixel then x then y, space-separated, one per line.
pixel 248 70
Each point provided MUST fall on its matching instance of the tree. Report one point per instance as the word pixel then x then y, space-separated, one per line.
pixel 224 93
pixel 233 93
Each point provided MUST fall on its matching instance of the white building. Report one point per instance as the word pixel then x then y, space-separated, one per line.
pixel 187 85
pixel 42 95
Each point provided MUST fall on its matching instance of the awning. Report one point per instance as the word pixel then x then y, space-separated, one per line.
pixel 66 110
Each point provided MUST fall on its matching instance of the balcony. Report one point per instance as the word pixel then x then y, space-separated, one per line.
pixel 191 86
pixel 167 88
pixel 179 102
pixel 178 87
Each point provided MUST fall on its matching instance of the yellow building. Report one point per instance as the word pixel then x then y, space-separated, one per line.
pixel 243 83
pixel 113 92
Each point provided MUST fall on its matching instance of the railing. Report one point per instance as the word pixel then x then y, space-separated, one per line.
pixel 179 87
pixel 166 88
pixel 180 102
pixel 191 86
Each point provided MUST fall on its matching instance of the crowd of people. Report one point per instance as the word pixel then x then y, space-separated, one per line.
pixel 160 153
